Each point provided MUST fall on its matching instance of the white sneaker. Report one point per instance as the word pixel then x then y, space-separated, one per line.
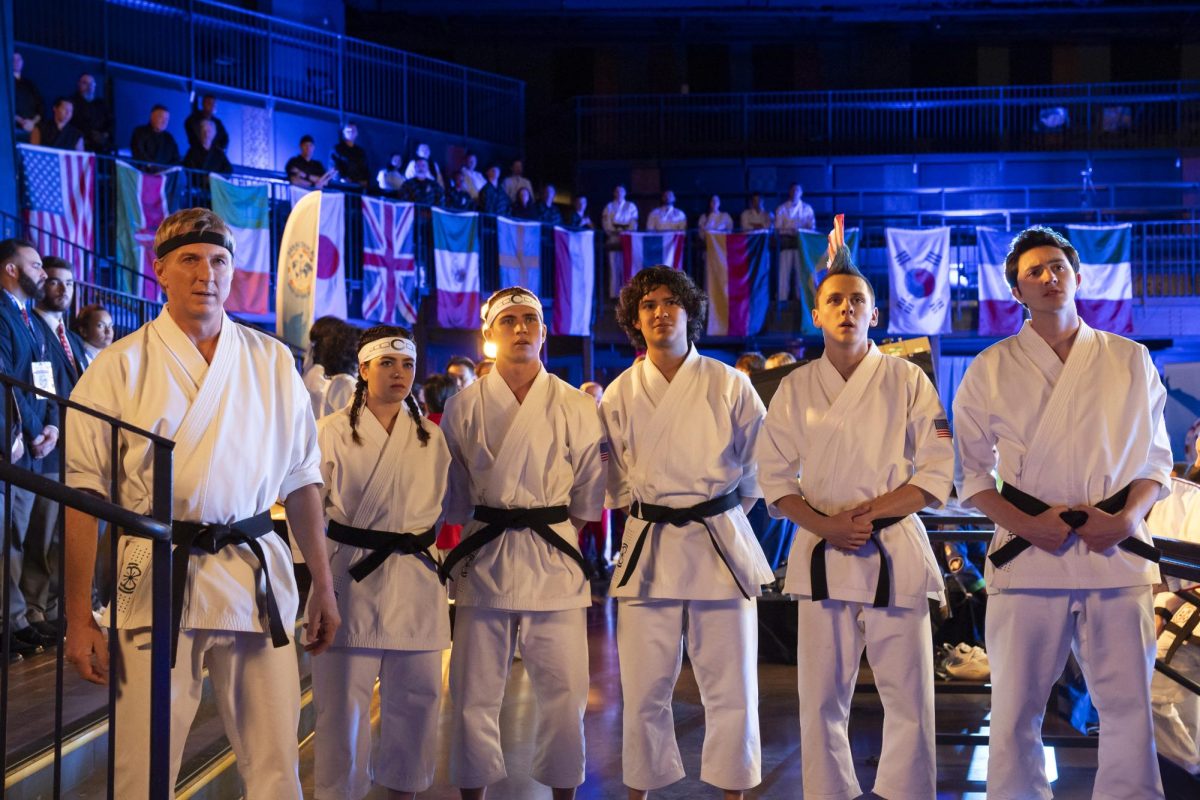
pixel 967 662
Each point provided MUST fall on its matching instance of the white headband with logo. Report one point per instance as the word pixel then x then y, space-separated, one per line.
pixel 392 346
pixel 522 298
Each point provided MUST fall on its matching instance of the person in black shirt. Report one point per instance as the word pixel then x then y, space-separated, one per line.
pixel 458 198
pixel 547 211
pixel 27 101
pixel 492 199
pixel 304 170
pixel 579 216
pixel 205 155
pixel 422 188
pixel 523 207
pixel 349 159
pixel 57 131
pixel 206 111
pixel 152 142
pixel 92 117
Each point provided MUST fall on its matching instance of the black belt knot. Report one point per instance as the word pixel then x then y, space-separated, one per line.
pixel 1033 506
pixel 212 538
pixel 819 582
pixel 498 520
pixel 665 515
pixel 382 544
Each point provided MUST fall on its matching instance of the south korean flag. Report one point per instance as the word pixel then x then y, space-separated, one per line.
pixel 919 270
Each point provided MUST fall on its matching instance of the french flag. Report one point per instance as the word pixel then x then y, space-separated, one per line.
pixel 574 280
pixel 651 250
pixel 1105 296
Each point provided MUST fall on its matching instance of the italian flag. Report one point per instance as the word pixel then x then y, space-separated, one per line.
pixel 246 211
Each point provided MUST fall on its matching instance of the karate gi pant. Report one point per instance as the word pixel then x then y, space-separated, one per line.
pixel 832 635
pixel 257 690
pixel 1177 710
pixel 1029 633
pixel 410 688
pixel 722 644
pixel 789 265
pixel 555 655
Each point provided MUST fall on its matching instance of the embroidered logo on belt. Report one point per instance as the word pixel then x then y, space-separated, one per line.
pixel 129 578
pixel 621 557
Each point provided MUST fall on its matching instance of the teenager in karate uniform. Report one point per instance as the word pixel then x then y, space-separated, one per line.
pixel 527 472
pixel 682 428
pixel 211 385
pixel 385 479
pixel 1072 419
pixel 855 443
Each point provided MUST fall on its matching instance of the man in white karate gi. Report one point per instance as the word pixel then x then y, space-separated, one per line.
pixel 791 216
pixel 211 385
pixel 527 472
pixel 1071 421
pixel 682 428
pixel 618 216
pixel 855 443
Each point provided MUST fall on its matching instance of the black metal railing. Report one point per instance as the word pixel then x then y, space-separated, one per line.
pixel 156 527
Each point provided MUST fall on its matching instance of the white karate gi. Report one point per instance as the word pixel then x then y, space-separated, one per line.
pixel 789 219
pixel 840 443
pixel 542 452
pixel 615 218
pixel 315 383
pixel 666 218
pixel 337 394
pixel 156 379
pixel 719 222
pixel 677 444
pixel 752 220
pixel 475 181
pixel 395 622
pixel 1177 709
pixel 1072 434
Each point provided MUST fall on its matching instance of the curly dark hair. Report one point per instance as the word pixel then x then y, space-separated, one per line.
pixel 438 389
pixel 336 351
pixel 1037 236
pixel 693 298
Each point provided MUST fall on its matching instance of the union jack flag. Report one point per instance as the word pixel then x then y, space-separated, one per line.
pixel 390 281
pixel 57 193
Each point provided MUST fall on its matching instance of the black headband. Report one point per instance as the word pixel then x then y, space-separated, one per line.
pixel 194 237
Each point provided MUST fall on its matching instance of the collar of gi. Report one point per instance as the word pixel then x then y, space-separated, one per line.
pixel 193 237
pixel 391 346
pixel 522 298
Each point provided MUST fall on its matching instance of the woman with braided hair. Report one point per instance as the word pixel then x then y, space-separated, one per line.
pixel 385 471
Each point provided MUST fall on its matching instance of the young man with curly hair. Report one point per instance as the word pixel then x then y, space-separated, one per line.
pixel 682 428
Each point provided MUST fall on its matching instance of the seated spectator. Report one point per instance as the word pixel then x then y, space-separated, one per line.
pixel 57 131
pixel 349 159
pixel 579 215
pixel 667 217
pixel 435 171
pixel 152 143
pixel 206 155
pixel 337 354
pixel 715 220
pixel 92 117
pixel 750 362
pixel 27 101
pixel 206 112
pixel 94 325
pixel 304 170
pixel 523 207
pixel 462 370
pixel 483 367
pixel 756 218
pixel 780 359
pixel 422 188
pixel 517 181
pixel 391 177
pixel 547 212
pixel 475 179
pixel 458 198
pixel 492 199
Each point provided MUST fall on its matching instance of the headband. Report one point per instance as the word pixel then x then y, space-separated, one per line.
pixel 391 346
pixel 492 309
pixel 194 237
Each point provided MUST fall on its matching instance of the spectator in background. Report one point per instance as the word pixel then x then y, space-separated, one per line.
pixel 517 181
pixel 792 216
pixel 94 325
pixel 715 220
pixel 492 199
pixel 483 367
pixel 667 217
pixel 459 198
pixel 780 359
pixel 57 131
pixel 304 170
pixel 1193 472
pixel 579 215
pixel 462 370
pixel 152 143
pixel 421 187
pixel 475 179
pixel 756 218
pixel 391 178
pixel 437 390
pixel 337 355
pixel 523 207
pixel 547 211
pixel 593 536
pixel 432 167
pixel 92 117
pixel 618 216
pixel 750 363
pixel 27 101
pixel 206 112
pixel 311 372
pixel 349 159
pixel 206 155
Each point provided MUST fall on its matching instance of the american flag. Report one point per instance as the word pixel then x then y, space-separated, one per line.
pixel 942 427
pixel 57 194
pixel 390 281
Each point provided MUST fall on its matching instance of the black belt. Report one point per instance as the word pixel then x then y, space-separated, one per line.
pixel 665 515
pixel 1187 631
pixel 383 544
pixel 498 520
pixel 819 583
pixel 211 538
pixel 1076 519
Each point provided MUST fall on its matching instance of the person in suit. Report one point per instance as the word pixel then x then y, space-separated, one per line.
pixel 26 352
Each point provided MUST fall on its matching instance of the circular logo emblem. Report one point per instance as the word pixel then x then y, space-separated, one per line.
pixel 919 282
pixel 299 263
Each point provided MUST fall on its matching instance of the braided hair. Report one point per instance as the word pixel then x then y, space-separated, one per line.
pixel 360 388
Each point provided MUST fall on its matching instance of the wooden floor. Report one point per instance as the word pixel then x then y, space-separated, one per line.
pixel 780 737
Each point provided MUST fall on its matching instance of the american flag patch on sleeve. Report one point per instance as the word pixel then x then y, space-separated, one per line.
pixel 942 426
pixel 604 450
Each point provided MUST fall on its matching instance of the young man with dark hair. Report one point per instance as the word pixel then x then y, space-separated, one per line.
pixel 855 443
pixel 682 429
pixel 462 370
pixel 1071 420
